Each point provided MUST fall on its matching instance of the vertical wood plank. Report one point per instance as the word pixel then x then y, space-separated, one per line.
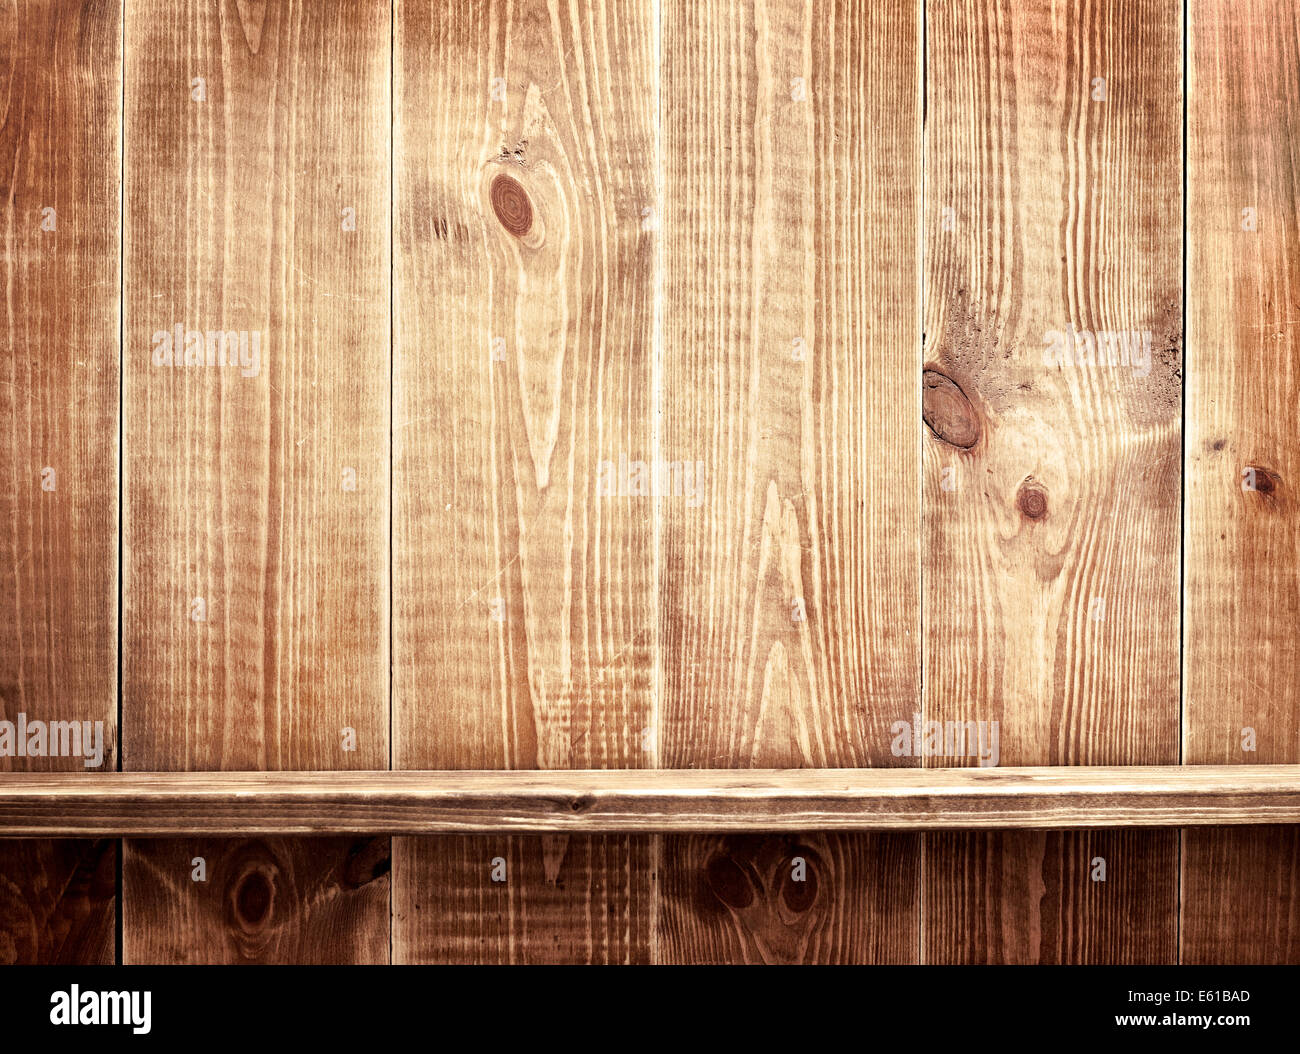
pixel 524 621
pixel 811 898
pixel 1053 216
pixel 256 500
pixel 1241 890
pixel 1021 897
pixel 306 901
pixel 790 332
pixel 60 163
pixel 57 901
pixel 568 900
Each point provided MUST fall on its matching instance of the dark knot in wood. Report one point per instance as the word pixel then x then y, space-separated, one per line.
pixel 947 411
pixel 510 203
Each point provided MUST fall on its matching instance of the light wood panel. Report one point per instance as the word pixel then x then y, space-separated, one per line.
pixel 1052 483
pixel 524 618
pixel 788 363
pixel 257 203
pixel 1242 598
pixel 60 160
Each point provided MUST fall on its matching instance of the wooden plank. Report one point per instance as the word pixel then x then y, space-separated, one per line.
pixel 256 490
pixel 790 327
pixel 683 800
pixel 1053 153
pixel 499 899
pixel 1242 598
pixel 57 902
pixel 264 900
pixel 523 591
pixel 1240 899
pixel 811 897
pixel 1040 896
pixel 60 163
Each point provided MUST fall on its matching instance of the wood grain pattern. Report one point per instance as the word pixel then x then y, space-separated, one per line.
pixel 790 591
pixel 1240 896
pixel 608 406
pixel 789 596
pixel 734 900
pixel 257 205
pixel 563 899
pixel 57 902
pixel 523 581
pixel 60 158
pixel 1052 462
pixel 1031 897
pixel 268 900
pixel 684 800
pixel 1242 599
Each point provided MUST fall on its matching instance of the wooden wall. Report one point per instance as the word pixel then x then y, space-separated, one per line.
pixel 651 384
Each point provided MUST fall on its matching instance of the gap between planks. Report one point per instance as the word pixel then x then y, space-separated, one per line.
pixel 158 804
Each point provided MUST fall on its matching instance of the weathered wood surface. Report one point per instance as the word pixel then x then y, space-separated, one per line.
pixel 684 476
pixel 57 901
pixel 312 901
pixel 1053 404
pixel 595 800
pixel 256 492
pixel 60 232
pixel 1241 700
pixel 523 582
pixel 787 369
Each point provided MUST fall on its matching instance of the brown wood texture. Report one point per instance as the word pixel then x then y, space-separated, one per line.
pixel 57 901
pixel 257 207
pixel 264 900
pixel 1029 897
pixel 735 899
pixel 788 370
pixel 1241 893
pixel 569 899
pixel 682 800
pixel 1052 483
pixel 640 395
pixel 60 164
pixel 523 590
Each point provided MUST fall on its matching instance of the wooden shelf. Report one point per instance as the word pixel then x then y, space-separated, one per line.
pixel 238 803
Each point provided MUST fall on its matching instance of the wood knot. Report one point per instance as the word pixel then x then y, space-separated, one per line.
pixel 253 897
pixel 367 861
pixel 1259 479
pixel 800 893
pixel 1032 501
pixel 729 883
pixel 582 803
pixel 510 203
pixel 947 411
